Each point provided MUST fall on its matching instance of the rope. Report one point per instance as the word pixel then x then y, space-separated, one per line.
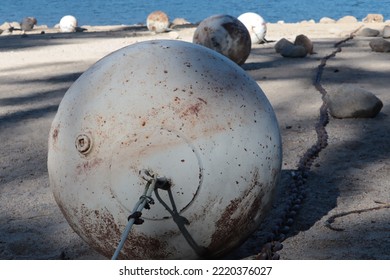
pixel 134 218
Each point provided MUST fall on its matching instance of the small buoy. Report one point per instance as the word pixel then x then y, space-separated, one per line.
pixel 179 111
pixel 28 23
pixel 256 26
pixel 157 21
pixel 68 24
pixel 226 35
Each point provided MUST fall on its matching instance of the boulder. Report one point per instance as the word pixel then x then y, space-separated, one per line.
pixel 349 101
pixel 281 44
pixel 373 18
pixel 386 31
pixel 380 45
pixel 347 19
pixel 368 32
pixel 327 20
pixel 304 41
pixel 288 49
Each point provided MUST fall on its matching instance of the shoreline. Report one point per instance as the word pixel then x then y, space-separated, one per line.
pixel 370 19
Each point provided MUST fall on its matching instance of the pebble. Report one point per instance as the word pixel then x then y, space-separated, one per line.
pixel 327 20
pixel 304 41
pixel 373 18
pixel 347 19
pixel 368 32
pixel 380 45
pixel 386 31
pixel 349 101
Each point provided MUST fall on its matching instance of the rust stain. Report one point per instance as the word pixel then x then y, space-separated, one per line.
pixel 56 131
pixel 228 228
pixel 193 109
pixel 88 165
pixel 98 228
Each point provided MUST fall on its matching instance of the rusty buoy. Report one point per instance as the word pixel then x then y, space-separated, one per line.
pixel 226 35
pixel 157 21
pixel 185 113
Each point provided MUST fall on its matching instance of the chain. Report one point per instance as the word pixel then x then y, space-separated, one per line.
pixel 296 189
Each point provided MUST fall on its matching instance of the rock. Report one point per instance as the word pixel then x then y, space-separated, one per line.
pixel 347 19
pixel 368 32
pixel 380 45
pixel 349 101
pixel 180 21
pixel 327 20
pixel 281 44
pixel 386 31
pixel 304 41
pixel 373 18
pixel 5 26
pixel 288 49
pixel 280 22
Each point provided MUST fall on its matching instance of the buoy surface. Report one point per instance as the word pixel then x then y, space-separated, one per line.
pixel 68 24
pixel 183 112
pixel 256 26
pixel 226 35
pixel 157 21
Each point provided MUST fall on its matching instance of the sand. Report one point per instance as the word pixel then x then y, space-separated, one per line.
pixel 351 174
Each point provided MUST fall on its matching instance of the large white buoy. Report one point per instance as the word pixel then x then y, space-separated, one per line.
pixel 68 24
pixel 226 35
pixel 180 111
pixel 157 21
pixel 256 26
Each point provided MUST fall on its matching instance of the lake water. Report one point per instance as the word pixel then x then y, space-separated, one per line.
pixel 128 12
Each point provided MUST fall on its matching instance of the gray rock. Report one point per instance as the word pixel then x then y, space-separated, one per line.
pixel 368 32
pixel 281 44
pixel 288 49
pixel 386 31
pixel 304 41
pixel 349 101
pixel 380 45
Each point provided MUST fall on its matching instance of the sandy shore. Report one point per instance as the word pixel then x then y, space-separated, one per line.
pixel 351 174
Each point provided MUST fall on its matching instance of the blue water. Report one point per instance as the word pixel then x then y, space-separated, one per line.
pixel 128 12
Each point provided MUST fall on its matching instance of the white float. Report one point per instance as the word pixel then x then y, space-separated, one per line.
pixel 68 24
pixel 226 35
pixel 180 111
pixel 256 26
pixel 157 21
